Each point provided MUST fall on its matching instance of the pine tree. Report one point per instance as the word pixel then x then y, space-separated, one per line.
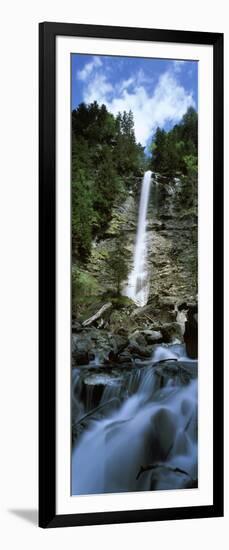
pixel 117 264
pixel 82 216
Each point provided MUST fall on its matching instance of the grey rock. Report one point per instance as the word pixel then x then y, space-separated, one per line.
pixel 119 342
pixel 172 332
pixel 152 336
pixel 76 326
pixel 125 357
pixel 138 351
pixel 191 333
pixel 181 372
pixel 80 358
pixel 138 338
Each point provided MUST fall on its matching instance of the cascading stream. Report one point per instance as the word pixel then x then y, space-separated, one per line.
pixel 137 287
pixel 155 427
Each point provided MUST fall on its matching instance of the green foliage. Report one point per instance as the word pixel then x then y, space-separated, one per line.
pixel 190 165
pixel 129 156
pixel 107 187
pixel 104 158
pixel 82 215
pixel 84 287
pixel 175 151
pixel 188 191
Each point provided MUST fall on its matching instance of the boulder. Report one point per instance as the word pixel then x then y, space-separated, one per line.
pixel 119 343
pixel 138 351
pixel 178 372
pixel 152 336
pixel 125 357
pixel 81 349
pixel 138 337
pixel 76 326
pixel 80 358
pixel 191 333
pixel 81 342
pixel 172 332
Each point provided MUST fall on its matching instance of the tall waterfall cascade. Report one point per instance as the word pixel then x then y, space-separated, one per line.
pixel 137 287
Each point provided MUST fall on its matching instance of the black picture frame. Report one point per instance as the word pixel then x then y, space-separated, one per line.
pixel 47 274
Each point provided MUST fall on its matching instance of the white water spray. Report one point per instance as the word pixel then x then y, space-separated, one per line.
pixel 138 286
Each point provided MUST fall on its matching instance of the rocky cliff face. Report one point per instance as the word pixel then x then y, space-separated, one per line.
pixel 172 271
pixel 172 245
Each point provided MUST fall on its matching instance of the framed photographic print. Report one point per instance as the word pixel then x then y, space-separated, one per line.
pixel 131 275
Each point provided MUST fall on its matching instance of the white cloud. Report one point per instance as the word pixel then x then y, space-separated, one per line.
pixel 98 89
pixel 89 67
pixel 125 84
pixel 167 101
pixel 177 65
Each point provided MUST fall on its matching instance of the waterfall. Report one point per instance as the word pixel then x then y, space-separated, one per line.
pixel 138 287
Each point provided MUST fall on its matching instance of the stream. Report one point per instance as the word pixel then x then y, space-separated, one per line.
pixel 143 434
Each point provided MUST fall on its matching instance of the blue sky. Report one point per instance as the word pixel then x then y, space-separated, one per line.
pixel 158 91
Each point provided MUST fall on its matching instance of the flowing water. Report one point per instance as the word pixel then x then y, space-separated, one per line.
pixel 148 442
pixel 137 287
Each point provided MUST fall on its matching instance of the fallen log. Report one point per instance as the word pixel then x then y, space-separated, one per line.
pixel 97 315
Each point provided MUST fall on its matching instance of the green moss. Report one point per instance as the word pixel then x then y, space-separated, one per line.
pixel 84 287
pixel 120 302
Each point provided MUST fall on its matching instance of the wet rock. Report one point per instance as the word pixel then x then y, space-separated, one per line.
pixel 76 326
pixel 138 337
pixel 118 358
pixel 172 332
pixel 81 343
pixel 81 349
pixel 80 358
pixel 191 333
pixel 178 372
pixel 138 351
pixel 91 395
pixel 119 343
pixel 94 384
pixel 152 336
pixel 125 357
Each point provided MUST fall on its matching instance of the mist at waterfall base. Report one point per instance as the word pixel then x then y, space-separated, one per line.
pixel 142 434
